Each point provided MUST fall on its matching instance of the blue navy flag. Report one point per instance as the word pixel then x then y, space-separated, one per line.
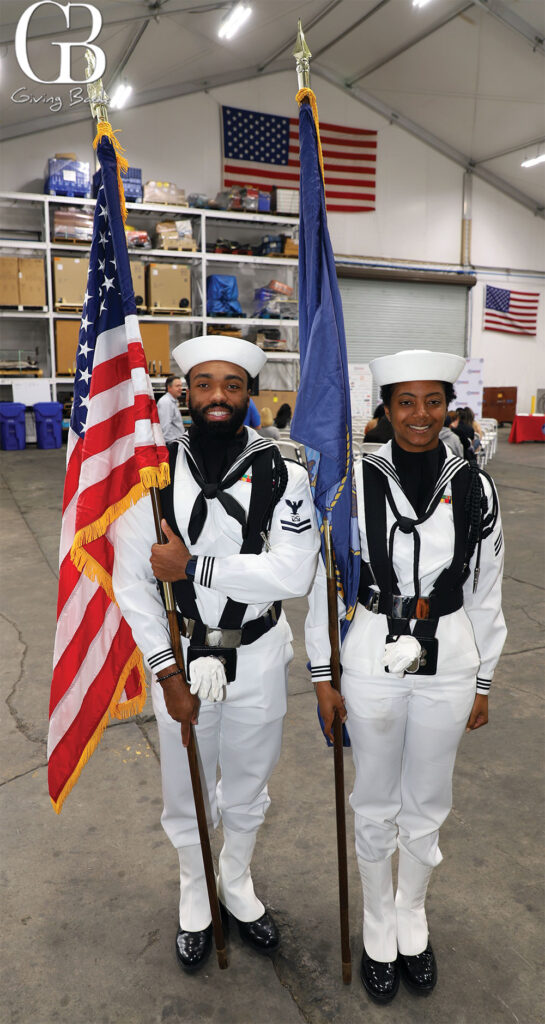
pixel 322 418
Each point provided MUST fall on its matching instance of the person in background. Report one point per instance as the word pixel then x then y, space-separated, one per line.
pixel 449 438
pixel 462 433
pixel 378 413
pixel 283 416
pixel 467 417
pixel 379 429
pixel 267 428
pixel 168 409
pixel 252 418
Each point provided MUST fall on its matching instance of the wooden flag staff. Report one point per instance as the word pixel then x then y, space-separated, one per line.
pixel 99 110
pixel 302 56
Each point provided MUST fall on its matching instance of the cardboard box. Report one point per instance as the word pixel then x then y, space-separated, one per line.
pixel 9 281
pixel 155 339
pixel 169 287
pixel 138 274
pixel 32 282
pixel 66 343
pixel 69 280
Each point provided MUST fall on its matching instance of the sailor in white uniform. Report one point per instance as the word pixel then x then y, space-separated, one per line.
pixel 242 537
pixel 418 657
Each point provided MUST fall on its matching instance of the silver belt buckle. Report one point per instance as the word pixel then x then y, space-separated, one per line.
pixel 216 637
pixel 397 606
pixel 371 603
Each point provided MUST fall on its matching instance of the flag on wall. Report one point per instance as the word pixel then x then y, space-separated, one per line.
pixel 509 311
pixel 263 150
pixel 115 453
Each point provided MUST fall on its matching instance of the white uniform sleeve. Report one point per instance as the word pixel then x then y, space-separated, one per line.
pixel 484 606
pixel 135 586
pixel 287 568
pixel 317 626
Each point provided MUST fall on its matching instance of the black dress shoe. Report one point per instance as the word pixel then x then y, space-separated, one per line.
pixel 419 972
pixel 262 935
pixel 193 948
pixel 380 978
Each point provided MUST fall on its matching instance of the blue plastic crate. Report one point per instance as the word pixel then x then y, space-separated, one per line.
pixel 68 178
pixel 48 416
pixel 12 426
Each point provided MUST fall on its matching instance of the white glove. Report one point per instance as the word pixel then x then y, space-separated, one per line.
pixel 207 678
pixel 403 655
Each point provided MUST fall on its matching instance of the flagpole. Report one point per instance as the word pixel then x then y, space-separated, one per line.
pixel 98 100
pixel 338 757
pixel 302 56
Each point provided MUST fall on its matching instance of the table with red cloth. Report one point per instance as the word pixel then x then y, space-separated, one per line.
pixel 527 428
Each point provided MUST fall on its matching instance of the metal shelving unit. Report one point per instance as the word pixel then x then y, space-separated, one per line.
pixel 36 210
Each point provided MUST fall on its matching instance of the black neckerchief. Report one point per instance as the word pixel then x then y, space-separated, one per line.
pixel 235 460
pixel 418 473
pixel 214 455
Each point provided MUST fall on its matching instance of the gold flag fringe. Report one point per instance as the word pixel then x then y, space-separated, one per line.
pixel 115 710
pixel 105 130
pixel 82 559
pixel 309 95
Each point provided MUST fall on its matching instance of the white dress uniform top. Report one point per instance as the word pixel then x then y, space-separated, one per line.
pixel 170 418
pixel 244 731
pixel 405 728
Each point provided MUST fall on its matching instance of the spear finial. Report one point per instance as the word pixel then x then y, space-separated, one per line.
pixel 98 97
pixel 302 56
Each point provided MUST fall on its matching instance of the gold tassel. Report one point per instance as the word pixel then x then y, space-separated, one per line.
pixel 84 562
pixel 309 95
pixel 105 130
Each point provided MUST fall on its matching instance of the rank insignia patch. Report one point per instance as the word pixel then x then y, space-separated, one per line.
pixel 295 524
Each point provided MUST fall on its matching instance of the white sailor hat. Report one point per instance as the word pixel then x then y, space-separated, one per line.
pixel 417 364
pixel 219 346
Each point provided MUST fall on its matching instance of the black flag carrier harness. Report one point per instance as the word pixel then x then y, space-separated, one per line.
pixel 269 480
pixel 473 521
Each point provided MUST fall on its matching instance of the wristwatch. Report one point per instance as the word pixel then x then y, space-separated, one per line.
pixel 191 567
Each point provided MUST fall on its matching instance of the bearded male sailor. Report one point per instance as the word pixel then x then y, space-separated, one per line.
pixel 418 658
pixel 241 537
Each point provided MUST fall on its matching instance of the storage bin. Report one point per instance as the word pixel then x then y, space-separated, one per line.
pixel 12 426
pixel 48 417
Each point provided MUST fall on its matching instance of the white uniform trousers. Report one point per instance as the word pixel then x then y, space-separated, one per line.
pixel 246 752
pixel 404 735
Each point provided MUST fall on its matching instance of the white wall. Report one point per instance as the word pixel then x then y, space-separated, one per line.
pixel 419 202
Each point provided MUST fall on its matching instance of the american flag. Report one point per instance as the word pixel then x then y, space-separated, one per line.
pixel 509 311
pixel 115 452
pixel 263 150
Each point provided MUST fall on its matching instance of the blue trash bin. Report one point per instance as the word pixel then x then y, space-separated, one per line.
pixel 48 416
pixel 12 426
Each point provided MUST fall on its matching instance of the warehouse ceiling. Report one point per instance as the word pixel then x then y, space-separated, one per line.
pixel 465 76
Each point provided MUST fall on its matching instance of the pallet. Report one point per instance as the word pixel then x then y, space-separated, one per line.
pixel 30 371
pixel 21 309
pixel 170 311
pixel 68 307
pixel 72 241
pixel 180 247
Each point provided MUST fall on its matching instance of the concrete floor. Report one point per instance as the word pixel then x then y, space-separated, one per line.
pixel 90 897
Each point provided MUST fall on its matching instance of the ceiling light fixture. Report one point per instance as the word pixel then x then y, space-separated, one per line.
pixel 234 20
pixel 420 3
pixel 533 161
pixel 120 96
